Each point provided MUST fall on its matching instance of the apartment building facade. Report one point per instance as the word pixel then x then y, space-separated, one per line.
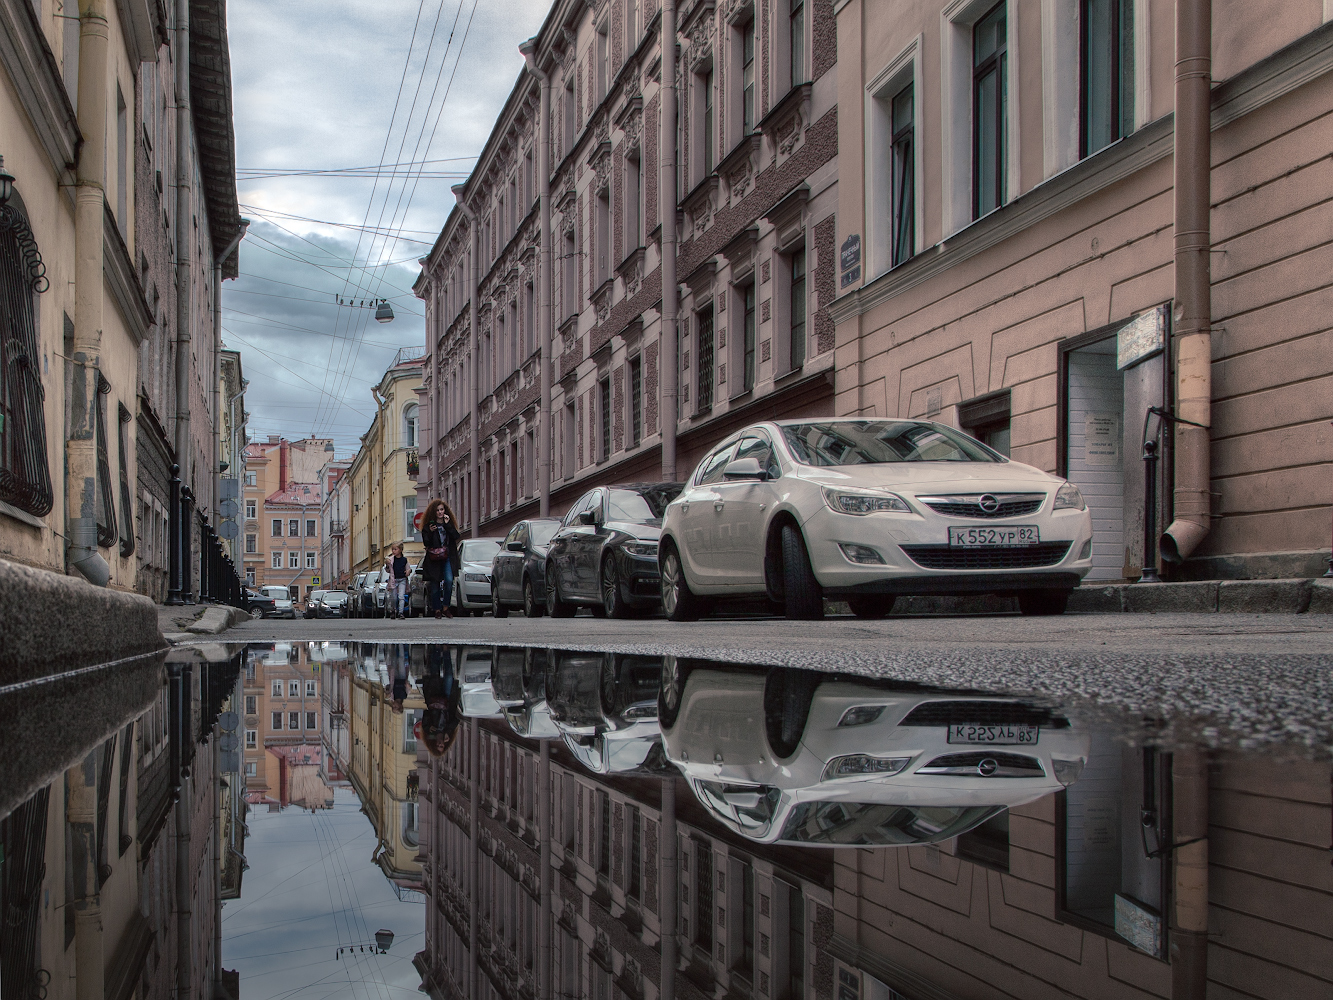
pixel 553 357
pixel 98 171
pixel 334 509
pixel 282 499
pixel 1012 182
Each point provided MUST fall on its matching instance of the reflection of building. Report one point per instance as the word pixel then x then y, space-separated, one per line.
pixel 383 759
pixel 335 695
pixel 283 708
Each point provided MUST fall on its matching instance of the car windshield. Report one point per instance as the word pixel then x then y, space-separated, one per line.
pixel 335 597
pixel 479 549
pixel 543 531
pixel 879 442
pixel 750 807
pixel 854 824
pixel 644 504
pixel 277 593
pixel 315 595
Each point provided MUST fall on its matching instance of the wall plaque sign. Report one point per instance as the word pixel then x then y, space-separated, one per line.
pixel 1141 337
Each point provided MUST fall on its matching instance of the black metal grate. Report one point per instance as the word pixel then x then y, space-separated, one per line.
pixel 1010 760
pixel 983 713
pixel 998 557
pixel 1016 507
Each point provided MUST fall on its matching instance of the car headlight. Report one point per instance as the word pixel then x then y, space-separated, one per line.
pixel 1068 497
pixel 864 501
pixel 860 765
pixel 647 549
pixel 476 577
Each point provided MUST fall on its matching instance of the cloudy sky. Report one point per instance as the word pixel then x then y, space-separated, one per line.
pixel 333 86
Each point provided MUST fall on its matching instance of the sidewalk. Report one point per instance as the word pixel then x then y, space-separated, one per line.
pixel 189 622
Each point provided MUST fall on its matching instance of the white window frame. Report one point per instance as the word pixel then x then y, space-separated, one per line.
pixel 310 560
pixel 956 22
pixel 277 559
pixel 294 559
pixel 903 69
pixel 251 510
pixel 310 689
pixel 251 738
pixel 277 689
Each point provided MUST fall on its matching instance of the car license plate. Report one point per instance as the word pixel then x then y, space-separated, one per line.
pixel 993 735
pixel 982 538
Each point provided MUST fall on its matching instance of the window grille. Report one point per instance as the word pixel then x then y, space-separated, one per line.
pixel 704 395
pixel 25 477
pixel 126 508
pixel 106 497
pixel 23 840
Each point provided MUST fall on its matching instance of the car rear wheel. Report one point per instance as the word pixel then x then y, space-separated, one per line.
pixel 678 602
pixel 613 601
pixel 498 608
pixel 531 608
pixel 871 605
pixel 804 596
pixel 1043 602
pixel 675 672
pixel 787 696
pixel 556 606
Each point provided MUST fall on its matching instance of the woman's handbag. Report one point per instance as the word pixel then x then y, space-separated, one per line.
pixel 438 553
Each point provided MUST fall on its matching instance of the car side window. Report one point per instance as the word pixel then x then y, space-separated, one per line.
pixel 572 517
pixel 514 534
pixel 520 533
pixel 712 469
pixel 760 448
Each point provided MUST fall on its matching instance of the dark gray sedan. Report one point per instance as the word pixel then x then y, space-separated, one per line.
pixel 518 570
pixel 605 554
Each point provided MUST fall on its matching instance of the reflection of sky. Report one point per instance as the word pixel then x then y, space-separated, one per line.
pixel 312 887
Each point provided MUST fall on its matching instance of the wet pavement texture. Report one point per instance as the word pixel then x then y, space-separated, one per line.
pixel 941 810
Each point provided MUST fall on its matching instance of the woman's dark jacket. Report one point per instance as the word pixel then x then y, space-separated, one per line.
pixel 436 536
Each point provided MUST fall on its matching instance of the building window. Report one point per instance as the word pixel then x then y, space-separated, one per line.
pixel 251 510
pixel 277 720
pixel 569 465
pixel 706 82
pixel 251 768
pixel 310 689
pixel 745 951
pixel 795 943
pixel 604 417
pixel 987 420
pixel 294 527
pixel 903 181
pixel 277 527
pixel 604 834
pixel 277 689
pixel 251 544
pixel 603 61
pixel 797 308
pixel 293 559
pixel 747 77
pixel 310 720
pixel 704 364
pixel 251 738
pixel 410 425
pixel 632 29
pixel 633 202
pixel 250 577
pixel 250 704
pixel 987 844
pixel 294 689
pixel 277 560
pixel 293 720
pixel 703 895
pixel 748 340
pixel 602 234
pixel 310 529
pixel 569 291
pixel 310 560
pixel 796 39
pixel 252 479
pixel 106 497
pixel 410 531
pixel 636 399
pixel 1106 73
pixel 990 113
pixel 126 503
pixel 634 889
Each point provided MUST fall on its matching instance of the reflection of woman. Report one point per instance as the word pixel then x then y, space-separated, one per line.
pixel 438 725
pixel 439 533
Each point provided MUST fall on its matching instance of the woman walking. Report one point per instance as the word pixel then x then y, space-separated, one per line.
pixel 439 533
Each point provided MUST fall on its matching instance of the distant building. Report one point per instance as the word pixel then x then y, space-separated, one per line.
pixel 282 499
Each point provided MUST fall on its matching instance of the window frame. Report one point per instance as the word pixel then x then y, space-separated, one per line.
pixel 1117 111
pixel 997 64
pixel 901 72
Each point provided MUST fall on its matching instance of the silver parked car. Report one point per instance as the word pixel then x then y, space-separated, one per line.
pixel 472 588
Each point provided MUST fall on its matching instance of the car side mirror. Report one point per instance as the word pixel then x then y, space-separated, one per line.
pixel 587 517
pixel 744 468
pixel 514 546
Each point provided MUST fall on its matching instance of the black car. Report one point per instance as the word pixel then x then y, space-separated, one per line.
pixel 605 553
pixel 518 570
pixel 334 604
pixel 255 601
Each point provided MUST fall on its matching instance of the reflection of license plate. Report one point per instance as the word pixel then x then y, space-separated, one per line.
pixel 992 735
pixel 980 538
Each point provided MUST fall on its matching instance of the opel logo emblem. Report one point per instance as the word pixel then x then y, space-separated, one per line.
pixel 987 767
pixel 990 504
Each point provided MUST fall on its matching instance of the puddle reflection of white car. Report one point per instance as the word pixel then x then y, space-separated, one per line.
pixel 478 700
pixel 637 750
pixel 798 757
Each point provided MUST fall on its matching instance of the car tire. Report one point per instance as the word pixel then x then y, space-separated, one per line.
pixel 613 601
pixel 597 610
pixel 556 606
pixel 675 672
pixel 498 607
pixel 871 605
pixel 606 689
pixel 679 603
pixel 531 607
pixel 1043 602
pixel 788 693
pixel 804 596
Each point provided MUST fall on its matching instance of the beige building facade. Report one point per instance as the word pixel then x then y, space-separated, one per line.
pixel 280 512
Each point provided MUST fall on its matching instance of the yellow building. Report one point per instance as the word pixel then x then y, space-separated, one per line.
pixel 384 491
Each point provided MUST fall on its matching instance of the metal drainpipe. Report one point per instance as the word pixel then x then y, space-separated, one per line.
pixel 473 379
pixel 214 836
pixel 184 243
pixel 1189 931
pixel 670 889
pixel 217 366
pixel 474 849
pixel 81 814
pixel 182 679
pixel 546 437
pixel 670 405
pixel 544 986
pixel 1193 307
pixel 86 355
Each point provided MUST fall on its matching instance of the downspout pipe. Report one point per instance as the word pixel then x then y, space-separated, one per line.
pixel 184 234
pixel 1189 822
pixel 217 365
pixel 86 354
pixel 544 986
pixel 546 437
pixel 473 378
pixel 474 851
pixel 1193 306
pixel 667 156
pixel 670 889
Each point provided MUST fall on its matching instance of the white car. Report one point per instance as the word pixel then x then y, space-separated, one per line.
pixel 283 606
pixel 797 757
pixel 865 510
pixel 478 699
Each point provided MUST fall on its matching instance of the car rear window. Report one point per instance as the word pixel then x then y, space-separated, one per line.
pixel 879 442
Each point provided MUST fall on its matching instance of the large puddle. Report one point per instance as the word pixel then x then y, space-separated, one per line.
pixel 310 820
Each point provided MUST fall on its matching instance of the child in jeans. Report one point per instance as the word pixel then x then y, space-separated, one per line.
pixel 397 567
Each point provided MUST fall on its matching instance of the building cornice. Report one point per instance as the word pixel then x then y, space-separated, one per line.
pixel 35 76
pixel 122 279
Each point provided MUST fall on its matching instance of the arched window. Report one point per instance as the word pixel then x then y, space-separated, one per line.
pixel 410 425
pixel 25 476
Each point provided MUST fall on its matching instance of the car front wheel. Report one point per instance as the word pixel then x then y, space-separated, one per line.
pixel 678 602
pixel 612 599
pixel 556 606
pixel 804 595
pixel 498 608
pixel 1043 602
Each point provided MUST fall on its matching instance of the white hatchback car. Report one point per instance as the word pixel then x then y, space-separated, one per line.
pixel 865 510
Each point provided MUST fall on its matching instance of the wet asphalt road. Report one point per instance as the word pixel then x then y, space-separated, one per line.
pixel 1229 680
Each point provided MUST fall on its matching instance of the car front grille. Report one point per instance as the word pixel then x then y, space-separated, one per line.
pixel 1005 505
pixel 1006 765
pixel 983 713
pixel 996 557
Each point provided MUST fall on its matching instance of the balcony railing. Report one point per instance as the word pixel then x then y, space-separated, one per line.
pixel 337 529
